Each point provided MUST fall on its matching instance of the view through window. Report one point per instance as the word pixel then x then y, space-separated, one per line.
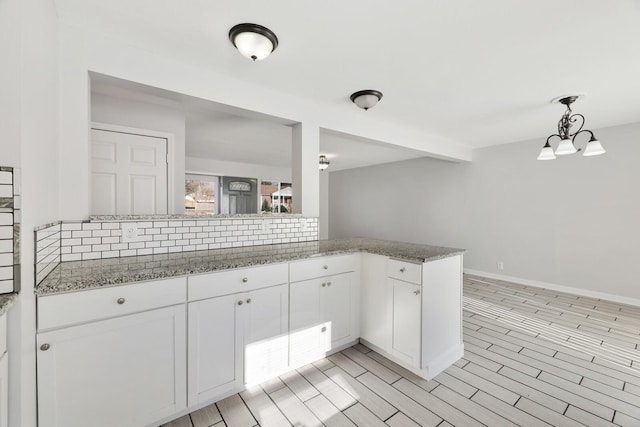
pixel 275 196
pixel 200 194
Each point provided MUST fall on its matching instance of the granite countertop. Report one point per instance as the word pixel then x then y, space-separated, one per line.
pixel 80 275
pixel 6 300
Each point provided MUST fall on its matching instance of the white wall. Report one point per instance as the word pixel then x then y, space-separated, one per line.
pixel 323 220
pixel 83 51
pixel 569 222
pixel 147 116
pixel 219 167
pixel 28 141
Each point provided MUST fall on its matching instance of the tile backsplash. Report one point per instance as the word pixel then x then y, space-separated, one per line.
pixel 85 240
pixel 10 215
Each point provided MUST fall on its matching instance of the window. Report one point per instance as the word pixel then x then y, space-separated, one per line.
pixel 200 194
pixel 275 196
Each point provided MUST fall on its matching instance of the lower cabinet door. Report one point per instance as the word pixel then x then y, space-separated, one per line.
pixel 406 321
pixel 336 308
pixel 127 371
pixel 215 363
pixel 310 335
pixel 265 317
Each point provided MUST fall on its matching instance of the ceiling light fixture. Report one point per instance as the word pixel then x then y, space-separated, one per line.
pixel 366 98
pixel 567 137
pixel 324 162
pixel 253 41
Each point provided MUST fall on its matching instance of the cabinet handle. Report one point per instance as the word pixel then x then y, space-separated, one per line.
pixel 326 267
pixel 324 329
pixel 240 302
pixel 45 347
pixel 120 301
pixel 328 283
pixel 324 284
pixel 245 279
pixel 417 292
pixel 248 300
pixel 402 270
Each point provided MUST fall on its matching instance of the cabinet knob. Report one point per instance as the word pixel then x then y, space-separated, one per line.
pixel 417 292
pixel 324 284
pixel 402 270
pixel 328 283
pixel 245 279
pixel 120 301
pixel 240 302
pixel 45 347
pixel 326 267
pixel 248 300
pixel 324 329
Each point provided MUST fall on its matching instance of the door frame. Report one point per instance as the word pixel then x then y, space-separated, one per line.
pixel 169 137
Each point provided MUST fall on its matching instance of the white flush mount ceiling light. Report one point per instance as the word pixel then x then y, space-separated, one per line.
pixel 324 162
pixel 567 136
pixel 366 99
pixel 253 41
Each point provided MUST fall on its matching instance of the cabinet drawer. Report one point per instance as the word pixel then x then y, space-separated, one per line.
pixel 85 306
pixel 322 266
pixel 404 270
pixel 236 280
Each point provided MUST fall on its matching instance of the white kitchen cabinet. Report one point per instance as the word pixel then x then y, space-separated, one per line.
pixel 4 390
pixel 4 373
pixel 124 371
pixel 375 301
pixel 237 339
pixel 323 316
pixel 406 325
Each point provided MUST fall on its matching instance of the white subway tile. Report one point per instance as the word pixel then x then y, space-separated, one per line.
pixel 91 226
pixel 71 257
pixel 128 252
pixel 145 251
pixel 90 255
pixel 111 254
pixel 160 250
pixel 71 226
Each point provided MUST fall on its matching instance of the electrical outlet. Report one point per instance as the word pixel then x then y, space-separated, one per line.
pixel 500 265
pixel 129 232
pixel 266 226
pixel 304 225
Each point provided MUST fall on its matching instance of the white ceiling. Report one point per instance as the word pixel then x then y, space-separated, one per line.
pixel 478 72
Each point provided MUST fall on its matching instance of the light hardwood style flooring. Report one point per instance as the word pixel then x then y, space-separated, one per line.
pixel 533 357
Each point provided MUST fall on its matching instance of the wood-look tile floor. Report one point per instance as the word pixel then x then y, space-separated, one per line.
pixel 532 357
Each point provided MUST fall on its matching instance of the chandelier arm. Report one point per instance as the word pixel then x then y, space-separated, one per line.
pixel 551 136
pixel 573 119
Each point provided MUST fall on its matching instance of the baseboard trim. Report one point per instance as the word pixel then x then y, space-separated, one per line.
pixel 554 287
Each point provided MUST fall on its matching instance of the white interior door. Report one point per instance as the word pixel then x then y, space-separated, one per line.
pixel 128 174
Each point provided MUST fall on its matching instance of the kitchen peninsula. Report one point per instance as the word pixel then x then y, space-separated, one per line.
pixel 180 331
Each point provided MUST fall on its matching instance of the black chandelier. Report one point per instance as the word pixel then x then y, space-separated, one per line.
pixel 568 137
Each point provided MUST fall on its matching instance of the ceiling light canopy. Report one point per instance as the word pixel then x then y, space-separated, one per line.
pixel 324 162
pixel 253 41
pixel 366 99
pixel 567 137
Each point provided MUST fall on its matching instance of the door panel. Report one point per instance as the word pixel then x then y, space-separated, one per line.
pixel 406 328
pixel 266 326
pixel 309 337
pixel 214 361
pixel 336 307
pixel 127 371
pixel 139 164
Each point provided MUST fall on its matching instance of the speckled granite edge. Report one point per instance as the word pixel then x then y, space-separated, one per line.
pixel 185 216
pixel 6 301
pixel 82 275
